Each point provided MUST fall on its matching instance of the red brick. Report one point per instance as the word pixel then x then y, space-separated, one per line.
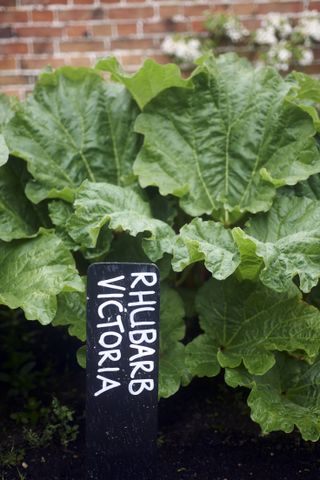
pixel 198 26
pixel 79 61
pixel 38 31
pixel 127 29
pixel 131 60
pixel 196 10
pixel 80 15
pixel 168 11
pixel 6 32
pixel 39 63
pixel 314 5
pixel 166 26
pixel 8 3
pixel 13 48
pixel 8 63
pixel 129 44
pixel 89 46
pixel 78 31
pixel 101 30
pixel 13 16
pixel 42 47
pixel 311 69
pixel 42 16
pixel 160 58
pixel 13 80
pixel 82 2
pixel 292 7
pixel 251 23
pixel 16 92
pixel 128 13
pixel 44 2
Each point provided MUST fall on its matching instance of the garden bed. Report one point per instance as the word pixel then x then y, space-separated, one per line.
pixel 205 433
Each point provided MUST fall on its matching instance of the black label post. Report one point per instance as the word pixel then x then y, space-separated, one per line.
pixel 122 371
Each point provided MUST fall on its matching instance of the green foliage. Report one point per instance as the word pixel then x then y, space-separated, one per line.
pixel 116 171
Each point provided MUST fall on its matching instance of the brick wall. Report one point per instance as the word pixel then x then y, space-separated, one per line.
pixel 34 33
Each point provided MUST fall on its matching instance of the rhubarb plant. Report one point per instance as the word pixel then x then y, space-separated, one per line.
pixel 216 178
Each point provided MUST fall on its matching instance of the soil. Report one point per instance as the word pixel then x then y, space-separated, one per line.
pixel 205 433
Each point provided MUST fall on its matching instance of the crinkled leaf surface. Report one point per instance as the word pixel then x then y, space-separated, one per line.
pixel 225 145
pixel 172 352
pixel 286 396
pixel 208 241
pixel 248 322
pixel 71 311
pixel 309 188
pixel 201 357
pixel 148 81
pixel 287 238
pixel 18 216
pixel 8 105
pixel 98 204
pixel 73 127
pixel 250 264
pixel 34 272
pixel 60 212
pixel 306 94
pixel 125 248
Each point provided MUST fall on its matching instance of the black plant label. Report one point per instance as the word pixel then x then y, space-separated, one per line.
pixel 122 370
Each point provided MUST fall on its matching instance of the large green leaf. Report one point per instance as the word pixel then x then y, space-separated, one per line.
pixel 74 126
pixel 8 105
pixel 34 272
pixel 60 212
pixel 306 95
pixel 129 249
pixel 286 396
pixel 6 113
pixel 224 146
pixel 201 357
pixel 247 322
pixel 172 370
pixel 208 241
pixel 147 82
pixel 18 216
pixel 309 188
pixel 71 311
pixel 122 209
pixel 287 238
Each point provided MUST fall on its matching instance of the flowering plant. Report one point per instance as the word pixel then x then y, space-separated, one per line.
pixel 289 42
pixel 280 41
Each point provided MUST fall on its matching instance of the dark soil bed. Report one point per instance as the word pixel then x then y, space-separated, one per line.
pixel 205 433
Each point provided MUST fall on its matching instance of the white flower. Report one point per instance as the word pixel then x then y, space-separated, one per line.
pixel 284 55
pixel 274 19
pixel 235 31
pixel 285 29
pixel 266 36
pixel 168 46
pixel 309 25
pixel 194 44
pixel 312 28
pixel 278 23
pixel 186 50
pixel 306 57
pixel 282 66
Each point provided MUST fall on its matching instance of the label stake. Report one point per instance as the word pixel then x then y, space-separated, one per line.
pixel 122 371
